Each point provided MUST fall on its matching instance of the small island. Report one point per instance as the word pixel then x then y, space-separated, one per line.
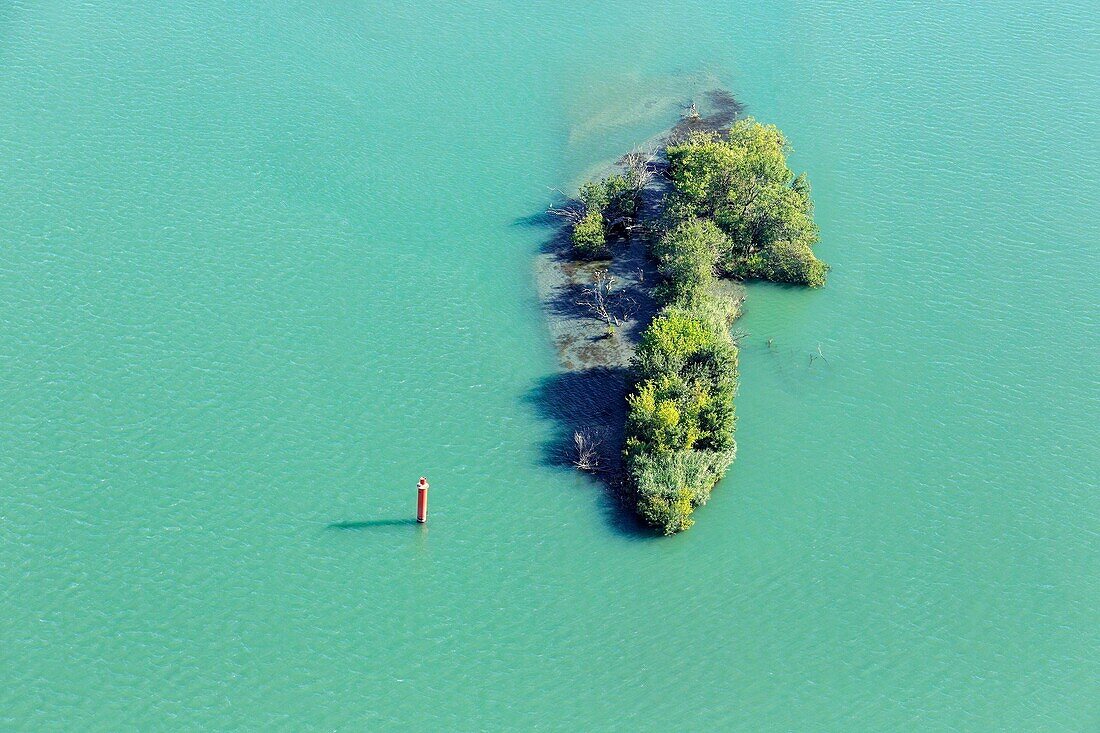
pixel 713 203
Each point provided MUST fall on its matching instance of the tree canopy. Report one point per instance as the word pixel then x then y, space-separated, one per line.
pixel 743 184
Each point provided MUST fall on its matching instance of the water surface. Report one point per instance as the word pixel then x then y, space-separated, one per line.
pixel 262 267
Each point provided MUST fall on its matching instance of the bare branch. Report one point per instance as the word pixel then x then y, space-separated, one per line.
pixel 639 166
pixel 604 303
pixel 573 210
pixel 572 213
pixel 587 444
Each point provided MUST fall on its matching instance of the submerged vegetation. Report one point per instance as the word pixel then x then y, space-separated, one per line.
pixel 731 208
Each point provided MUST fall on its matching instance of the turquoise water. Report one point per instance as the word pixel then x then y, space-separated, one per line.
pixel 264 266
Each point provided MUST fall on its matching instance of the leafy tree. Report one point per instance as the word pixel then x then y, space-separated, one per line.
pixel 615 197
pixel 595 196
pixel 784 261
pixel 700 167
pixel 687 257
pixel 589 239
pixel 744 184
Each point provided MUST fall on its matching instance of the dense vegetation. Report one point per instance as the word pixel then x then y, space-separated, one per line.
pixel 734 210
pixel 742 183
pixel 680 422
pixel 606 208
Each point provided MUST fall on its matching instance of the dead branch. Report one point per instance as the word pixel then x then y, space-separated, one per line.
pixel 639 166
pixel 604 303
pixel 572 213
pixel 573 210
pixel 586 444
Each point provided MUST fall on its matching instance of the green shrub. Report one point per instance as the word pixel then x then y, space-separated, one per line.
pixel 680 422
pixel 622 197
pixel 744 184
pixel 715 364
pixel 690 409
pixel 668 512
pixel 699 165
pixel 673 336
pixel 687 257
pixel 595 195
pixel 785 262
pixel 656 418
pixel 615 196
pixel 698 235
pixel 676 208
pixel 718 310
pixel 671 485
pixel 589 239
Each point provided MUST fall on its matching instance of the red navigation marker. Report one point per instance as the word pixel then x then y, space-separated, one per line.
pixel 422 500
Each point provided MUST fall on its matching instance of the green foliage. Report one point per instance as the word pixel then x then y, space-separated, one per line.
pixel 743 184
pixel 699 167
pixel 681 420
pixel 622 197
pixel 673 336
pixel 676 208
pixel 717 309
pixel 656 417
pixel 589 239
pixel 689 406
pixel 687 257
pixel 608 204
pixel 594 195
pixel 671 485
pixel 668 511
pixel 737 209
pixel 783 261
pixel 615 197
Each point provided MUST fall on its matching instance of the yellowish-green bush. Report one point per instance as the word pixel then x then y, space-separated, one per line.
pixel 671 485
pixel 589 239
pixel 680 422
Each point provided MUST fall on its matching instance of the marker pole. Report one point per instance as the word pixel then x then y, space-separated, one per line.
pixel 422 500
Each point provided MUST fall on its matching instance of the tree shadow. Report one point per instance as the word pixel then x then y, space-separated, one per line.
pixel 566 302
pixel 593 402
pixel 589 397
pixel 724 111
pixel 541 219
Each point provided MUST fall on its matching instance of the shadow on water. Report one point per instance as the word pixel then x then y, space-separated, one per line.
pixel 540 219
pixel 592 401
pixel 372 523
pixel 589 395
